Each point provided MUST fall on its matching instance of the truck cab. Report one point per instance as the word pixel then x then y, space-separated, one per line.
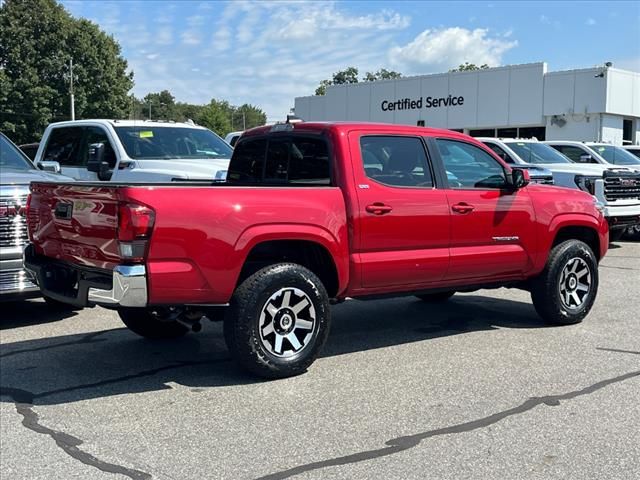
pixel 596 153
pixel 616 187
pixel 134 151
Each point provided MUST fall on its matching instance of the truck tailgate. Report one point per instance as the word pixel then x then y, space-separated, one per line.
pixel 75 223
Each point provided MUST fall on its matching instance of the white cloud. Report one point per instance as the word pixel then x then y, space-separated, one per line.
pixel 590 22
pixel 164 36
pixel 441 49
pixel 191 37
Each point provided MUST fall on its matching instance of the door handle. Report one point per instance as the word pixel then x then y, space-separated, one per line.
pixel 378 208
pixel 462 208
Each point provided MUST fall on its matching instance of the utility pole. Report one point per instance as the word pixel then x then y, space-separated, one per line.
pixel 73 106
pixel 244 122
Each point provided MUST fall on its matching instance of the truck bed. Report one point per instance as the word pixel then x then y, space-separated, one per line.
pixel 200 236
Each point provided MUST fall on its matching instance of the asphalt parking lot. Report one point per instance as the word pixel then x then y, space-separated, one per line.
pixel 478 388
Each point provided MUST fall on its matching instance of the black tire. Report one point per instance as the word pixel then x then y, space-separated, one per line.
pixel 143 322
pixel 436 297
pixel 59 306
pixel 633 233
pixel 259 312
pixel 615 235
pixel 553 294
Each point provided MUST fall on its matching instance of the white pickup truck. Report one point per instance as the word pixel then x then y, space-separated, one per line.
pixel 616 187
pixel 133 151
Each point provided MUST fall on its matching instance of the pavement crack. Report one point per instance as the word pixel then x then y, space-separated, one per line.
pixel 23 401
pixel 617 350
pixel 400 444
pixel 89 338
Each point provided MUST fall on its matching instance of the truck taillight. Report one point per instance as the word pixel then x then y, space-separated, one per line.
pixel 135 223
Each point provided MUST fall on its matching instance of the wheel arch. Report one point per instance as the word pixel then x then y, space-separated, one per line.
pixel 310 246
pixel 578 227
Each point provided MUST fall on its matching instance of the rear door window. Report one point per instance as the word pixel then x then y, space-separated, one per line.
pixel 574 153
pixel 64 147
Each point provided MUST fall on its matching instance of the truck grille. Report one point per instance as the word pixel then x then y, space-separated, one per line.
pixel 621 188
pixel 13 225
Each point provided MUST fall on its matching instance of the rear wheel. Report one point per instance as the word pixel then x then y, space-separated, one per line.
pixel 436 297
pixel 155 324
pixel 278 321
pixel 566 289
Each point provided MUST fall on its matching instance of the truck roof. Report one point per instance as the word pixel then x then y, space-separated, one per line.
pixel 343 127
pixel 126 123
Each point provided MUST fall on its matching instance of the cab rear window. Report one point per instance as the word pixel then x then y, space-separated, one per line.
pixel 280 161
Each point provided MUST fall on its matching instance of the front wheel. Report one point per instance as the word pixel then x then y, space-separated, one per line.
pixel 278 321
pixel 633 233
pixel 155 324
pixel 566 289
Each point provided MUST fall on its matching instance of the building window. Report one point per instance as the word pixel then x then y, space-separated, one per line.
pixel 485 132
pixel 533 132
pixel 627 131
pixel 420 123
pixel 508 132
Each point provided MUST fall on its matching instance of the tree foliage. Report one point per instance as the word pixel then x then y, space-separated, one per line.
pixel 38 38
pixel 350 75
pixel 218 115
pixel 468 67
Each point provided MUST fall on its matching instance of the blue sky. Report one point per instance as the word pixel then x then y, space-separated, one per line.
pixel 266 53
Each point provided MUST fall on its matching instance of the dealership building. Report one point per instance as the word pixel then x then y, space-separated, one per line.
pixel 589 104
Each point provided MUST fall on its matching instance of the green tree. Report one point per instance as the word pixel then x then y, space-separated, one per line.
pixel 247 116
pixel 216 116
pixel 382 74
pixel 38 38
pixel 161 106
pixel 350 75
pixel 468 67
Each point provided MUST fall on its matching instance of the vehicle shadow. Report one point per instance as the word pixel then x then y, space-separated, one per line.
pixel 72 368
pixel 23 313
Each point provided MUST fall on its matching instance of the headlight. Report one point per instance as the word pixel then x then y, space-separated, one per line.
pixel 588 184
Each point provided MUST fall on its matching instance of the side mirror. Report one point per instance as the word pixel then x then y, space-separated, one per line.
pixel 96 162
pixel 586 158
pixel 50 166
pixel 519 178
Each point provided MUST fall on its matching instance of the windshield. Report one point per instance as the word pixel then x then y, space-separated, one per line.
pixel 616 155
pixel 537 152
pixel 149 142
pixel 11 157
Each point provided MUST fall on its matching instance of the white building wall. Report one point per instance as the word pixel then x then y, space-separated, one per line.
pixel 611 129
pixel 586 104
pixel 623 92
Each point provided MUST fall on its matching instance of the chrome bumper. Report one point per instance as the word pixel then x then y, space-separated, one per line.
pixel 125 285
pixel 129 288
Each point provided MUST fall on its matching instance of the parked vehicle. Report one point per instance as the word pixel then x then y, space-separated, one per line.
pixel 16 172
pixel 233 137
pixel 633 149
pixel 336 210
pixel 538 173
pixel 134 151
pixel 616 188
pixel 594 152
pixel 30 149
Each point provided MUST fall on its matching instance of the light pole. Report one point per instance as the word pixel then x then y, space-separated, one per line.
pixel 72 99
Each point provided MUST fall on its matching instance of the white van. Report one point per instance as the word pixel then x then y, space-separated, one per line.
pixel 133 151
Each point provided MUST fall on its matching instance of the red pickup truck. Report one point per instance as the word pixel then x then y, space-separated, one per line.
pixel 310 214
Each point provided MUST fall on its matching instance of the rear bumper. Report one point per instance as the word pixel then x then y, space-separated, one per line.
pixel 125 285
